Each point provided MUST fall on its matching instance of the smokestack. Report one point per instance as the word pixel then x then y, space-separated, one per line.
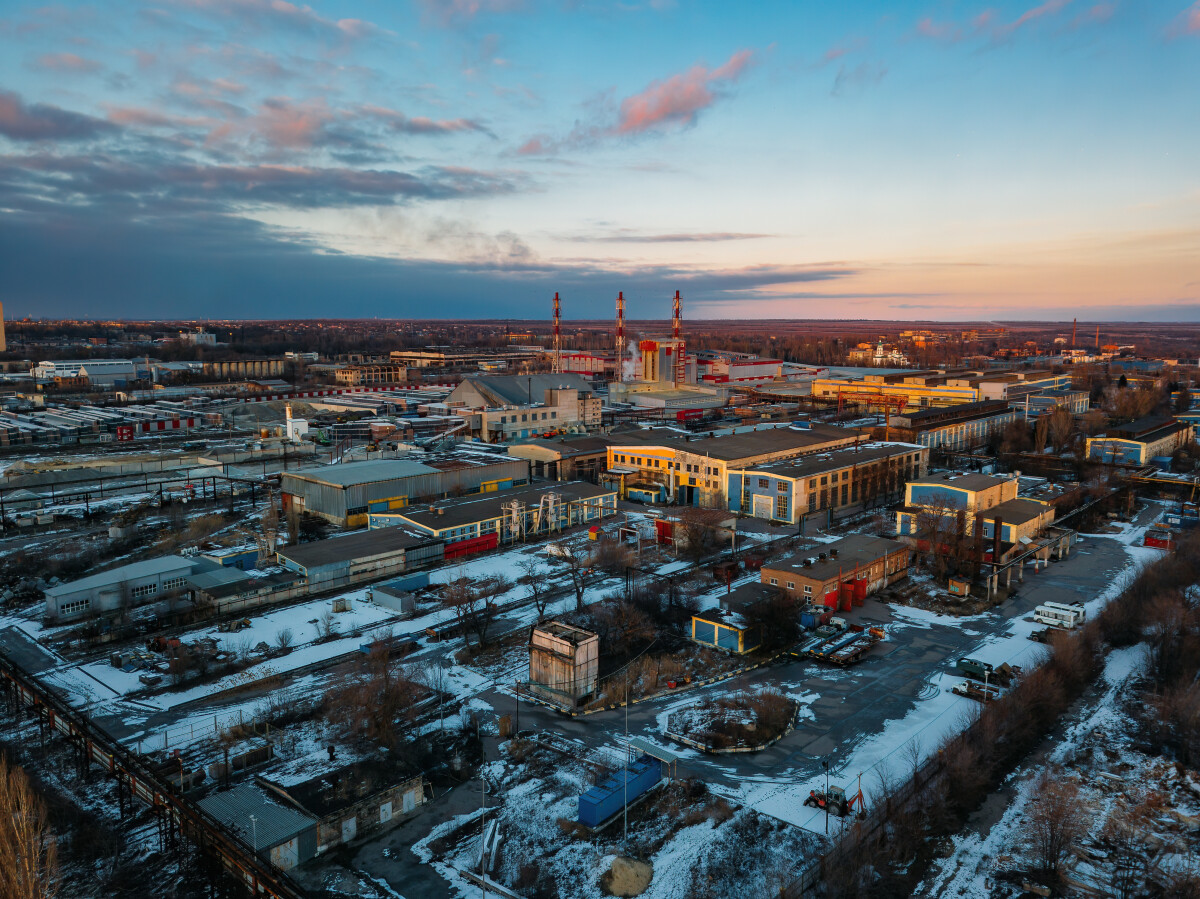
pixel 677 333
pixel 620 336
pixel 1097 338
pixel 557 336
pixel 1074 325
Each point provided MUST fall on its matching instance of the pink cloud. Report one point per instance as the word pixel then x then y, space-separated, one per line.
pixel 285 14
pixel 1189 21
pixel 938 31
pixel 1100 12
pixel 680 98
pixel 450 12
pixel 535 146
pixel 1049 8
pixel 67 62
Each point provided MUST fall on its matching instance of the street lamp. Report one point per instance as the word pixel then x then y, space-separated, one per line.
pixel 825 765
pixel 254 829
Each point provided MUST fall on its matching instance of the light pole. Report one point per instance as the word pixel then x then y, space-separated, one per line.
pixel 254 829
pixel 825 765
pixel 625 773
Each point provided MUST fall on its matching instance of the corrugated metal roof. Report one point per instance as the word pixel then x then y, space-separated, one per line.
pixel 351 473
pixel 273 823
pixel 132 571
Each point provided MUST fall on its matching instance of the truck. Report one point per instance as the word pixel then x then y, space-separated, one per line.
pixel 978 692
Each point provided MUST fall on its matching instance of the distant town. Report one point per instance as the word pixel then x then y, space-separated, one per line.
pixel 630 607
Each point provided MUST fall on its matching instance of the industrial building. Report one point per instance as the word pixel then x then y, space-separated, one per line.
pixel 122 588
pixel 564 458
pixel 971 495
pixel 475 524
pixel 355 801
pixel 505 407
pixel 1140 442
pixel 563 663
pixel 662 466
pixel 843 574
pixel 283 835
pixel 834 483
pixel 363 556
pixel 953 428
pixel 92 372
pixel 346 493
pixel 727 627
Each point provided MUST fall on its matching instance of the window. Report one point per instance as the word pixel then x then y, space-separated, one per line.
pixel 554 414
pixel 782 487
pixel 524 418
pixel 824 480
pixel 781 507
pixel 774 582
pixel 845 494
pixel 74 608
pixel 808 588
pixel 791 585
pixel 763 482
pixel 144 590
pixel 812 485
pixel 812 502
pixel 174 583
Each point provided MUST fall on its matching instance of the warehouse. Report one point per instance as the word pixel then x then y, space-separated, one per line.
pixel 826 484
pixel 1139 442
pixel 135 584
pixel 366 555
pixel 729 626
pixel 282 835
pixel 564 459
pixel 354 801
pixel 345 494
pixel 843 574
pixel 481 523
pixel 661 465
pixel 961 427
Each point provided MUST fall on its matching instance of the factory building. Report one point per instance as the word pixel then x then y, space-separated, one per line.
pixel 829 484
pixel 843 573
pixel 346 493
pixel 506 407
pixel 122 588
pixel 363 556
pixel 660 466
pixel 953 428
pixel 475 524
pixel 564 458
pixel 1140 442
pixel 284 836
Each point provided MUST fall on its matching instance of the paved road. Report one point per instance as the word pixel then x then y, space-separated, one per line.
pixel 856 703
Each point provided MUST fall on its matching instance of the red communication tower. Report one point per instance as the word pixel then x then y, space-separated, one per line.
pixel 620 336
pixel 677 334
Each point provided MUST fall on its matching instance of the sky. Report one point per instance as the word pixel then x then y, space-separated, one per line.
pixel 946 160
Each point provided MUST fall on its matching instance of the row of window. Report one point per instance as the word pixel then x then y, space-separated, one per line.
pixel 791 585
pixel 505 419
pixel 74 608
pixel 625 459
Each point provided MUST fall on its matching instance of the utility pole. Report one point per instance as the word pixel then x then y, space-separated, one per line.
pixel 825 765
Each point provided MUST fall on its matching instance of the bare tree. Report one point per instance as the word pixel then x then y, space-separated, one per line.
pixel 702 530
pixel 1058 819
pixel 327 626
pixel 28 852
pixel 1061 424
pixel 534 585
pixel 472 609
pixel 293 524
pixel 576 560
pixel 379 703
pixel 283 639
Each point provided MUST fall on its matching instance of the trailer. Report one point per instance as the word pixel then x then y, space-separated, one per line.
pixel 848 648
pixel 978 692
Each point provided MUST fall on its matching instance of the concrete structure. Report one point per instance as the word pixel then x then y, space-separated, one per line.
pixel 917 390
pixel 1140 441
pixel 283 835
pixel 360 557
pixel 504 407
pixel 737 369
pixel 360 799
pixel 956 428
pixel 837 483
pixel 661 465
pixel 380 373
pixel 480 523
pixel 459 358
pixel 564 458
pixel 564 662
pixel 346 493
pixel 842 573
pixel 119 589
pixel 91 372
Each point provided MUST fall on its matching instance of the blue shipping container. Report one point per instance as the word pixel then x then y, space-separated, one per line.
pixel 410 582
pixel 605 799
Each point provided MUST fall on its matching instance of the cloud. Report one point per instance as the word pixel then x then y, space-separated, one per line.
pixel 149 186
pixel 985 24
pixel 267 14
pixel 66 62
pixel 1048 8
pixel 41 121
pixel 678 100
pixel 633 237
pixel 460 12
pixel 939 31
pixel 1188 21
pixel 1095 14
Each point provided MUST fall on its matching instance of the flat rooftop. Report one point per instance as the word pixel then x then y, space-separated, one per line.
pixel 350 474
pixel 965 481
pixel 856 550
pixel 817 463
pixel 733 447
pixel 359 545
pixel 458 512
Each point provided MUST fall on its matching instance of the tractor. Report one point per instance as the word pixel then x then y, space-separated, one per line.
pixel 836 803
